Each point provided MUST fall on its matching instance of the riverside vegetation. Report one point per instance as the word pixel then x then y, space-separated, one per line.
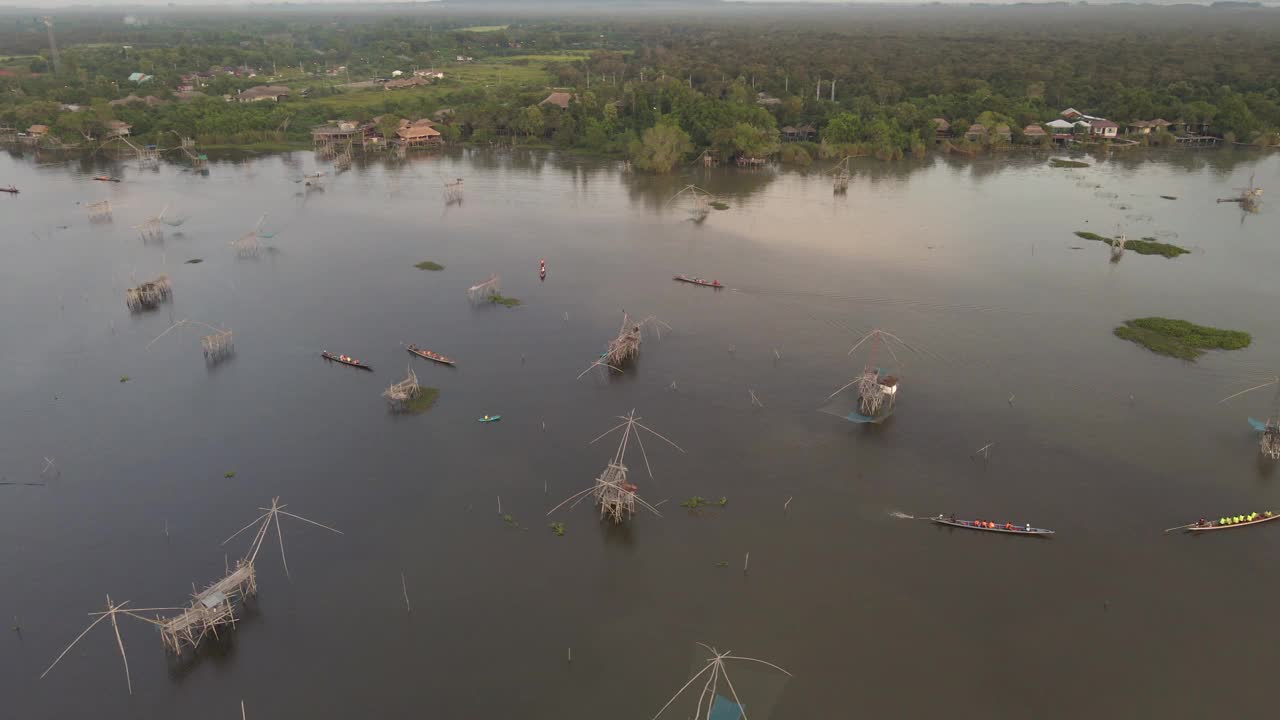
pixel 867 80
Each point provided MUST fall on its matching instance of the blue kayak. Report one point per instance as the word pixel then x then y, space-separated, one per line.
pixel 490 418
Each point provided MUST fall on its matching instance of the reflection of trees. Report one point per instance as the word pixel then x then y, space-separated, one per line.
pixel 733 184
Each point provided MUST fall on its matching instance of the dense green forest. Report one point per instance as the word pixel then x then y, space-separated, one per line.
pixel 660 86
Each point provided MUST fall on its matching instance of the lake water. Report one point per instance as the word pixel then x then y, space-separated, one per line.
pixel 972 262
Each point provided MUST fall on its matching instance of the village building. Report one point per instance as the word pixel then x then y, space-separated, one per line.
pixel 418 135
pixel 263 92
pixel 559 99
pixel 429 74
pixel 941 128
pixel 339 131
pixel 1103 128
pixel 1146 127
pixel 975 133
pixel 1034 133
pixel 402 83
pixel 38 131
pixel 116 128
pixel 139 78
pixel 764 98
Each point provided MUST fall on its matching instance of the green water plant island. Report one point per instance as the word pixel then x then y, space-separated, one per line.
pixel 1179 338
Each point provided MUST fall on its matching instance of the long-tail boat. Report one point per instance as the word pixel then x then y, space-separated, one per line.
pixel 1230 523
pixel 106 178
pixel 428 355
pixel 11 190
pixel 698 281
pixel 989 526
pixel 345 360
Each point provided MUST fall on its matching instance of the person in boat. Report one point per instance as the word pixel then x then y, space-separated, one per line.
pixel 1008 526
pixel 953 517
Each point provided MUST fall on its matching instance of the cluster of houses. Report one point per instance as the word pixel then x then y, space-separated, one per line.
pixel 409 133
pixel 1071 126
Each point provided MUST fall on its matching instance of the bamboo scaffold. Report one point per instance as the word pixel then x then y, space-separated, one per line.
pixel 719 699
pixel 1268 430
pixel 209 609
pixel 1248 198
pixel 247 246
pixel 876 390
pixel 152 229
pixel 1117 247
pixel 482 291
pixel 401 393
pixel 616 497
pixel 840 177
pixel 218 345
pixel 625 347
pixel 702 200
pixel 453 192
pixel 149 295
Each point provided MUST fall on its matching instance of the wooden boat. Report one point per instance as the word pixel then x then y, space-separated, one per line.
pixel 345 360
pixel 428 355
pixel 489 418
pixel 699 281
pixel 105 178
pixel 11 190
pixel 1263 517
pixel 1008 528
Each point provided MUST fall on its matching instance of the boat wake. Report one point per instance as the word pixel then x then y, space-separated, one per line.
pixel 901 515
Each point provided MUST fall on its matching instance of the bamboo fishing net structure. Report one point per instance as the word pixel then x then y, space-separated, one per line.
pixel 1248 198
pixel 400 393
pixel 218 345
pixel 1117 247
pixel 152 229
pixel 700 201
pixel 247 246
pixel 1269 431
pixel 876 392
pixel 453 192
pixel 840 177
pixel 482 291
pixel 625 347
pixel 612 492
pixel 99 211
pixel 149 295
pixel 719 698
pixel 210 611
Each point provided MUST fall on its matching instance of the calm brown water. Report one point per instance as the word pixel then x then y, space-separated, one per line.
pixel 973 262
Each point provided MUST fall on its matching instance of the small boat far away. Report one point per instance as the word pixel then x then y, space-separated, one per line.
pixel 989 526
pixel 11 190
pixel 106 178
pixel 345 360
pixel 489 418
pixel 695 280
pixel 542 269
pixel 428 355
pixel 1236 521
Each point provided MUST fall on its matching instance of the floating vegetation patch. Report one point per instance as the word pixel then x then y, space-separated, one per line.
pixel 697 501
pixel 429 265
pixel 511 522
pixel 720 205
pixel 500 299
pixel 1060 163
pixel 124 378
pixel 195 261
pixel 557 528
pixel 229 474
pixel 1179 338
pixel 1145 246
pixel 422 402
pixel 722 563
